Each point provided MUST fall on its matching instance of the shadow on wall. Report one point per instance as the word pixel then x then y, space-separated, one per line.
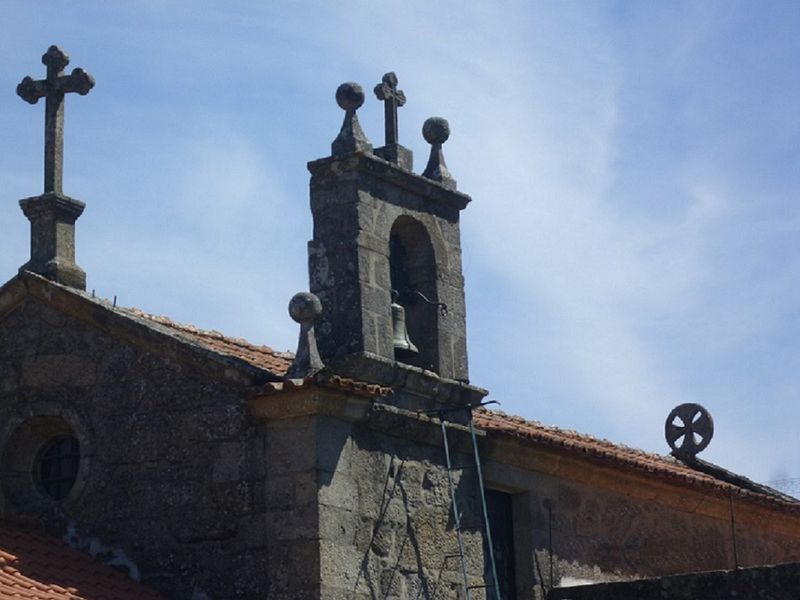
pixel 582 534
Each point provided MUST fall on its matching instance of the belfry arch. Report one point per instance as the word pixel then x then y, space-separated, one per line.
pixel 413 275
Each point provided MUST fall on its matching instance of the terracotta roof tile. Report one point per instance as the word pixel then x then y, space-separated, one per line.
pixel 36 566
pixel 609 452
pixel 262 357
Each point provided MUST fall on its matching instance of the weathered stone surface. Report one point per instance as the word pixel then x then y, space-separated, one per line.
pixel 357 201
pixel 322 502
pixel 392 99
pixel 174 473
pixel 436 132
pixel 52 89
pixel 385 518
pixel 351 138
pixel 55 371
pixel 305 309
pixel 52 216
pixel 584 527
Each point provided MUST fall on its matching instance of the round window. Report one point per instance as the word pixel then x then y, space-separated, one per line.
pixel 56 467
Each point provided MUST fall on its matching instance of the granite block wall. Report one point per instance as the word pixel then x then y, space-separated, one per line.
pixel 386 526
pixel 387 530
pixel 173 485
pixel 182 487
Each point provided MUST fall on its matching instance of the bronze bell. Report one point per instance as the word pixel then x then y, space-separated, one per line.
pixel 402 343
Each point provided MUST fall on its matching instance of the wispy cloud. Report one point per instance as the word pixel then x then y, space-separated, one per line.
pixel 632 242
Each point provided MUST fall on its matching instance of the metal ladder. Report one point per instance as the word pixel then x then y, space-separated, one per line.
pixel 454 503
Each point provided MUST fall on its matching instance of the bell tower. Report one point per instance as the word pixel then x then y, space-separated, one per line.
pixel 385 258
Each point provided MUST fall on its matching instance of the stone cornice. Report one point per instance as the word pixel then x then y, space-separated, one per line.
pixel 334 167
pixel 63 207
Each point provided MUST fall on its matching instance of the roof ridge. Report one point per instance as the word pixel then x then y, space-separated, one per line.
pixel 579 436
pixel 649 461
pixel 209 333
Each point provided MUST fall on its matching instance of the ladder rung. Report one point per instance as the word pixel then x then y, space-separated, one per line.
pixel 462 467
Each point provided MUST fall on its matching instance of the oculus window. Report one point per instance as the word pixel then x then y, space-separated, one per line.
pixel 56 466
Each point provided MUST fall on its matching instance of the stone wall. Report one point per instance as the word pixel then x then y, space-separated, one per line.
pixel 781 582
pixel 386 528
pixel 586 522
pixel 173 481
pixel 387 531
pixel 195 490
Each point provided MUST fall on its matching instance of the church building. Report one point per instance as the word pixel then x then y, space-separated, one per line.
pixel 144 458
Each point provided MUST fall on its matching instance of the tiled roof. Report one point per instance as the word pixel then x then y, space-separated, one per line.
pixel 630 458
pixel 36 566
pixel 262 357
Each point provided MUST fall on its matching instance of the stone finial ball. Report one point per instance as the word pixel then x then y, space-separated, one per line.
pixel 305 307
pixel 349 96
pixel 436 130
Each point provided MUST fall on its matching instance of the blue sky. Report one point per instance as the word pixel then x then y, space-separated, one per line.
pixel 634 237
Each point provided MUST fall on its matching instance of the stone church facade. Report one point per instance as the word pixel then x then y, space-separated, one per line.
pixel 364 466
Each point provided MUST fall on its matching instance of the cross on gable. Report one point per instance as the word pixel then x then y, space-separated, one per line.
pixel 53 88
pixel 392 98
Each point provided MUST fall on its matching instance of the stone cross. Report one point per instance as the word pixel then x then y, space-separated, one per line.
pixel 386 91
pixel 392 98
pixel 53 88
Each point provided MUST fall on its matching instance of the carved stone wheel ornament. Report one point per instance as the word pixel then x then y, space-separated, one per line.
pixel 689 428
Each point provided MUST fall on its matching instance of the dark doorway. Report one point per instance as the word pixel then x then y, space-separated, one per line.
pixel 498 508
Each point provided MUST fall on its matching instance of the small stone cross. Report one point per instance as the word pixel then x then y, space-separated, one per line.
pixel 53 88
pixel 392 151
pixel 392 98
